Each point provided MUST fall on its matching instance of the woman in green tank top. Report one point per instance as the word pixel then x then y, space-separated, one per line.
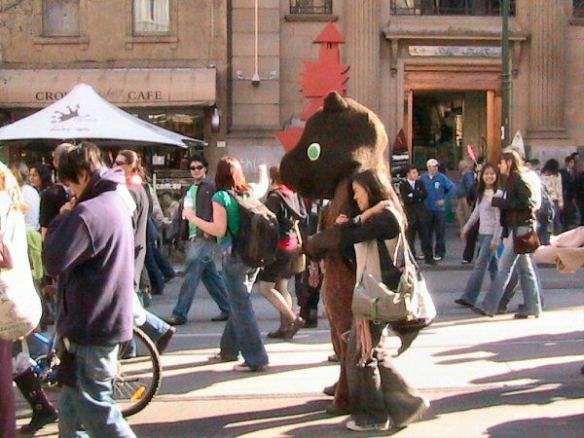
pixel 241 333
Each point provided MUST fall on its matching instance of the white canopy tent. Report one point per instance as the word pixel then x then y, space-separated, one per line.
pixel 84 114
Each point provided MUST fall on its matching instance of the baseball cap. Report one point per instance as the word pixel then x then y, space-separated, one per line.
pixel 431 162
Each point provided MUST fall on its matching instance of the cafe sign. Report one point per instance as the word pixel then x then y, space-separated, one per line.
pixel 133 87
pixel 455 51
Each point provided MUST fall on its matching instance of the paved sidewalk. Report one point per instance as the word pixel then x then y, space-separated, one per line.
pixel 485 377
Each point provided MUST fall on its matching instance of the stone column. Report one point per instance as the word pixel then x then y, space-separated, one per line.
pixel 362 32
pixel 547 69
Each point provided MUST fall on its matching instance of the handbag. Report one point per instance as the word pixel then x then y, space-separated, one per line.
pixel 409 302
pixel 298 265
pixel 525 243
pixel 5 255
pixel 20 306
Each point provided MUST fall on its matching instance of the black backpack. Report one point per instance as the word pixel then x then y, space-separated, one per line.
pixel 257 240
pixel 545 214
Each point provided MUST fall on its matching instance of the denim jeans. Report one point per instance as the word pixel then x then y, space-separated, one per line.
pixel 529 283
pixel 201 266
pixel 437 224
pixel 486 259
pixel 90 405
pixel 158 267
pixel 241 333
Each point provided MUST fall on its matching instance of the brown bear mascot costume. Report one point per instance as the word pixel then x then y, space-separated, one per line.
pixel 339 141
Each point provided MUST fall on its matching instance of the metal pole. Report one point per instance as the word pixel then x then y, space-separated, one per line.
pixel 506 75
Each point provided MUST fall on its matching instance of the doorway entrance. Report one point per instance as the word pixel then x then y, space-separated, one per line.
pixel 444 122
pixel 448 107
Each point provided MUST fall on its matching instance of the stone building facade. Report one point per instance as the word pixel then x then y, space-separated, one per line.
pixel 429 67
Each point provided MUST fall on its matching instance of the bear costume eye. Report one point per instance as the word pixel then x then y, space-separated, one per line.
pixel 313 152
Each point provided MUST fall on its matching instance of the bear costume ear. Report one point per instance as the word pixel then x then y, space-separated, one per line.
pixel 334 102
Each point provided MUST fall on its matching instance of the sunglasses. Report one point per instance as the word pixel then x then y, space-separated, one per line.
pixel 197 167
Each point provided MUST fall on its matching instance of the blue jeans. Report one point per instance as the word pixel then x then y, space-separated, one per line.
pixel 90 405
pixel 201 267
pixel 158 267
pixel 437 224
pixel 241 333
pixel 486 259
pixel 529 283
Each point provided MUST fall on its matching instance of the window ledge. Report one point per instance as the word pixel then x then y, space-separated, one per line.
pixel 311 17
pixel 577 21
pixel 47 40
pixel 152 39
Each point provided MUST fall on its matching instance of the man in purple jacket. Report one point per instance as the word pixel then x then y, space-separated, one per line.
pixel 94 259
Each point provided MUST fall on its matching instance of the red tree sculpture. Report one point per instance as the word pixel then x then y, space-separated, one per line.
pixel 319 78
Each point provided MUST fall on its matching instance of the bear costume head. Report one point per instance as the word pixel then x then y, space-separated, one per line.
pixel 338 141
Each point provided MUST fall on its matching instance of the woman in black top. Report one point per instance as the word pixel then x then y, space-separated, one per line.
pixel 288 207
pixel 377 391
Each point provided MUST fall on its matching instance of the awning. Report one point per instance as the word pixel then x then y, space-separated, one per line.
pixel 126 87
pixel 84 114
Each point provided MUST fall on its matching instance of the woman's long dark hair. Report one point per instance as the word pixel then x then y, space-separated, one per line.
pixel 481 187
pixel 229 176
pixel 515 159
pixel 378 188
pixel 551 167
pixel 45 175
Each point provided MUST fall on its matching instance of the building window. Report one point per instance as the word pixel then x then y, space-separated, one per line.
pixel 60 18
pixel 300 7
pixel 578 8
pixel 449 7
pixel 151 17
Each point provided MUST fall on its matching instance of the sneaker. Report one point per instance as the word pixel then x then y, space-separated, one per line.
pixel 176 320
pixel 218 357
pixel 524 315
pixel 437 258
pixel 221 317
pixel 330 390
pixel 465 262
pixel 335 411
pixel 462 302
pixel 419 257
pixel 333 358
pixel 245 367
pixel 163 341
pixel 352 425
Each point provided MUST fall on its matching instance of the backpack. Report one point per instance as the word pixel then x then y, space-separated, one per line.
pixel 257 240
pixel 545 214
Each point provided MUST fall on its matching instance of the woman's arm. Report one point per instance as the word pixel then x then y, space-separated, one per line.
pixel 217 228
pixel 383 225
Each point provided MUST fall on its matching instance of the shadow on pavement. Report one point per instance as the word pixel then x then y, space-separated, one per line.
pixel 237 424
pixel 570 426
pixel 520 349
pixel 189 381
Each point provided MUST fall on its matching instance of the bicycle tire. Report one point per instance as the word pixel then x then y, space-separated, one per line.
pixel 124 391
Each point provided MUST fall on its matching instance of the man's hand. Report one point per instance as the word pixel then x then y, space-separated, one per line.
pixel 69 205
pixel 440 202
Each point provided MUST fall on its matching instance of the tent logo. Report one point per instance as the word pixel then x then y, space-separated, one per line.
pixel 60 116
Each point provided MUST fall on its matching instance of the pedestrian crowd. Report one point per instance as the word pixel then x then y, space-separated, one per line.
pixel 93 239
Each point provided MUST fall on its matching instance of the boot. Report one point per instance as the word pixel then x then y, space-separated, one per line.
pixel 43 412
pixel 280 331
pixel 312 320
